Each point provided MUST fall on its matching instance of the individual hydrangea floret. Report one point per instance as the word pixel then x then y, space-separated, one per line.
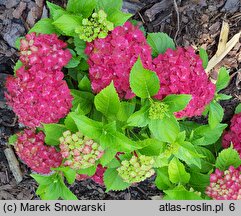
pixel 233 136
pixel 225 185
pixel 79 152
pixel 37 96
pixel 181 72
pixel 32 151
pixel 97 177
pixel 44 51
pixel 112 58
pixel 137 169
pixel 157 110
pixel 96 27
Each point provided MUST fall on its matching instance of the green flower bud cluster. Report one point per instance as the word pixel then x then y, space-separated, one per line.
pixel 79 152
pixel 137 169
pixel 95 27
pixel 157 110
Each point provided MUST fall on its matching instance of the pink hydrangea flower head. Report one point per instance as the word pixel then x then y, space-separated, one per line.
pixel 44 50
pixel 112 58
pixel 38 97
pixel 225 185
pixel 181 72
pixel 32 151
pixel 97 177
pixel 233 136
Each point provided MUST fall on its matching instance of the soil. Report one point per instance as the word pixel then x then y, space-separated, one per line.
pixel 194 23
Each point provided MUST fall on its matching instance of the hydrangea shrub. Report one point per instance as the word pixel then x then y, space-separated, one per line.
pixel 103 100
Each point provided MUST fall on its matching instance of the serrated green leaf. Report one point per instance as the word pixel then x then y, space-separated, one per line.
pixel 139 118
pixel 151 147
pixel 223 97
pixel 144 83
pixel 70 124
pixel 180 193
pixel 87 126
pixel 55 10
pixel 43 179
pixel 82 7
pixel 69 173
pixel 166 129
pixel 199 181
pixel 107 101
pixel 90 171
pixel 84 84
pixel 82 99
pixel 162 181
pixel 215 114
pixel 177 102
pixel 12 139
pixel 177 173
pixel 53 132
pixel 125 111
pixel 204 56
pixel 223 79
pixel 118 17
pixel 113 181
pixel 74 62
pixel 108 155
pixel 228 157
pixel 66 194
pixel 80 46
pixel 44 26
pixel 107 5
pixel 160 42
pixel 238 109
pixel 67 24
pixel 210 135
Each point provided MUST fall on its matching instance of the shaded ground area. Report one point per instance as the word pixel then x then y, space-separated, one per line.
pixel 189 22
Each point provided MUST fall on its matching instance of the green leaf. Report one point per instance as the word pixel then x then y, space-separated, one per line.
pixel 166 129
pixel 223 97
pixel 87 126
pixel 53 132
pixel 82 99
pixel 80 46
pixel 144 83
pixel 66 194
pixel 139 118
pixel 199 181
pixel 125 111
pixel 43 179
pixel 160 42
pixel 55 10
pixel 12 139
pixel 90 171
pixel 74 62
pixel 228 157
pixel 67 23
pixel 162 181
pixel 223 79
pixel 113 181
pixel 84 84
pixel 70 124
pixel 204 56
pixel 177 102
pixel 69 173
pixel 238 109
pixel 210 135
pixel 180 193
pixel 215 114
pixel 44 26
pixel 152 147
pixel 114 163
pixel 107 101
pixel 108 5
pixel 118 17
pixel 82 7
pixel 17 42
pixel 177 173
pixel 18 65
pixel 108 155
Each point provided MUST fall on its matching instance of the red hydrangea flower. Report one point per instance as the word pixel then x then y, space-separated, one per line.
pixel 181 72
pixel 97 177
pixel 225 185
pixel 44 51
pixel 234 134
pixel 112 58
pixel 32 151
pixel 37 96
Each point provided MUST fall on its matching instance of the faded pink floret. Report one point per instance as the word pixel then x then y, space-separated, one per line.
pixel 97 177
pixel 32 151
pixel 37 96
pixel 112 58
pixel 225 185
pixel 181 72
pixel 233 136
pixel 44 51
